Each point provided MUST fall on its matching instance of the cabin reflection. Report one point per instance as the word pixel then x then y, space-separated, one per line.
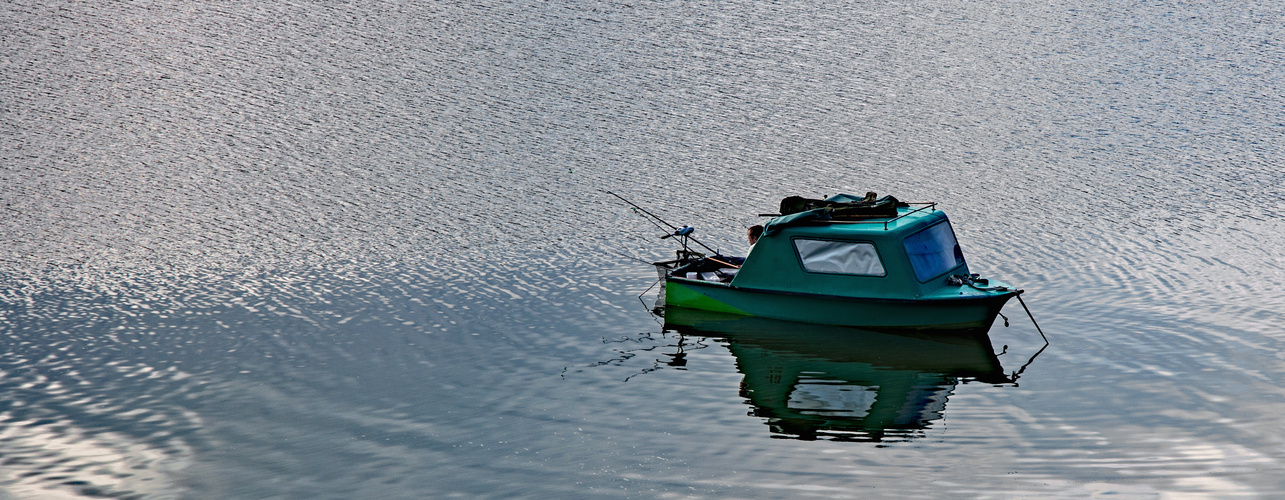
pixel 839 383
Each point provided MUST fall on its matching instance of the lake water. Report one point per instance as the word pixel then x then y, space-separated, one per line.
pixel 361 249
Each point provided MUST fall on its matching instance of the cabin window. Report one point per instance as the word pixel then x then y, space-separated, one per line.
pixel 839 257
pixel 933 251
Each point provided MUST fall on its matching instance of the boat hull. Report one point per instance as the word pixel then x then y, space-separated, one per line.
pixel 977 310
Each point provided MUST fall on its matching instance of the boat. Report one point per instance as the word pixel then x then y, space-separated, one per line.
pixel 870 262
pixel 810 381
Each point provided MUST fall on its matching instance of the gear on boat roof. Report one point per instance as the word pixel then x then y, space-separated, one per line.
pixel 840 207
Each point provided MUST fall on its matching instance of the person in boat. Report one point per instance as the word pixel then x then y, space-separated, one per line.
pixel 753 234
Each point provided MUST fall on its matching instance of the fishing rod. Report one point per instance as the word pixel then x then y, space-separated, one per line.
pixel 650 215
pixel 683 233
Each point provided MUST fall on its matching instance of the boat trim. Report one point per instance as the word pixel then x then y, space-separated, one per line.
pixel 963 298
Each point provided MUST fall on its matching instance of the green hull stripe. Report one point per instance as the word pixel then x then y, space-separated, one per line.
pixel 678 294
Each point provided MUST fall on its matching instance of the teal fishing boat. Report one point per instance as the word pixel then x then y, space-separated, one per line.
pixel 867 262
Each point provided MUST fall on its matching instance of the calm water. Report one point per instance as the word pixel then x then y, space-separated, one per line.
pixel 360 249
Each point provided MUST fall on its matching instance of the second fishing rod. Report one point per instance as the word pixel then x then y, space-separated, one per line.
pixel 683 233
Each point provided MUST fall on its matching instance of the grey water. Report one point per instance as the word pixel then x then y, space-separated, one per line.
pixel 362 250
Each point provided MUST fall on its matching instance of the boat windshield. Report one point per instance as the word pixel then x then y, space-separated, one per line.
pixel 933 251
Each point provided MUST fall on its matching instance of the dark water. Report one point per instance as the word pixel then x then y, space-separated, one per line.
pixel 359 250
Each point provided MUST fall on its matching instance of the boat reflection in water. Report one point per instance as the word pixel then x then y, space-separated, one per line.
pixel 841 383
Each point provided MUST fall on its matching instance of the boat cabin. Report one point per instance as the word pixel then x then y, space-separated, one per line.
pixel 909 254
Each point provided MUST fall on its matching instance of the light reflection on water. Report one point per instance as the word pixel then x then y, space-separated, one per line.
pixel 303 249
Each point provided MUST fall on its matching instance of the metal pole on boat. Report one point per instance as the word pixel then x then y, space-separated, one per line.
pixel 1032 316
pixel 1018 374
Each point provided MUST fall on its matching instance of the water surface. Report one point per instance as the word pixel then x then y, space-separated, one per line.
pixel 336 250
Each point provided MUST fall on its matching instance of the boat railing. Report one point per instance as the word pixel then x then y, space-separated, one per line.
pixel 927 205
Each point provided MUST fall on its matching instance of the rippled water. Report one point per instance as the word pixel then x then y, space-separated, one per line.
pixel 337 250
